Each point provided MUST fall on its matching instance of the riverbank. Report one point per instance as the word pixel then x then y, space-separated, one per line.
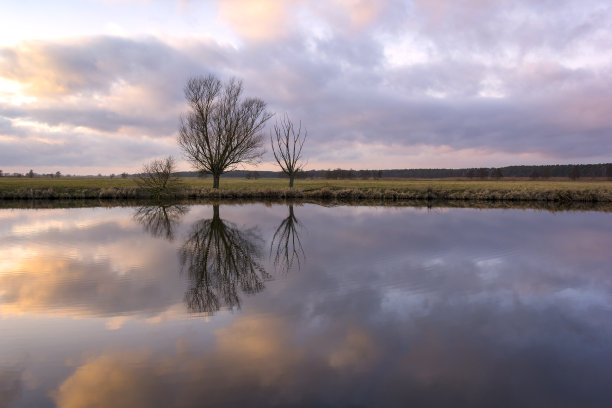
pixel 340 190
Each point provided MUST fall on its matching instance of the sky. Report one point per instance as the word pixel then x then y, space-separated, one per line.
pixel 96 86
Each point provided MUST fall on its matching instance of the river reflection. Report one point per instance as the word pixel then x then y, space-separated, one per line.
pixel 286 247
pixel 395 307
pixel 161 220
pixel 221 260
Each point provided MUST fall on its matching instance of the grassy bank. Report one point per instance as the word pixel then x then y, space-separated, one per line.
pixel 342 190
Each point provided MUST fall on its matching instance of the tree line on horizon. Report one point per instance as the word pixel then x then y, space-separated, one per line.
pixel 573 171
pixel 601 170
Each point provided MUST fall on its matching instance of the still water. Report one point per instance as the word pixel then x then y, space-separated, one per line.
pixel 304 305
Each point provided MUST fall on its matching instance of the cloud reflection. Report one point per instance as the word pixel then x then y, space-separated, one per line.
pixel 462 355
pixel 67 264
pixel 10 386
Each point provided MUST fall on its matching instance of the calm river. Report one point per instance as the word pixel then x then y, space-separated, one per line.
pixel 305 305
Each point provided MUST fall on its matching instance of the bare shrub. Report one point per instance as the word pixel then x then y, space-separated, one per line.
pixel 158 178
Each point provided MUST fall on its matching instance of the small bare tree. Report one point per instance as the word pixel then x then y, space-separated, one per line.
pixel 157 177
pixel 287 143
pixel 221 129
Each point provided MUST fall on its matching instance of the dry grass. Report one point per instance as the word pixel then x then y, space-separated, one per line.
pixel 343 190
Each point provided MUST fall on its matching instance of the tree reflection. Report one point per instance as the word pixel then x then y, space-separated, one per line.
pixel 222 261
pixel 286 244
pixel 161 220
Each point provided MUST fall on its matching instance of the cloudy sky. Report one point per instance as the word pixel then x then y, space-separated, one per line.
pixel 89 86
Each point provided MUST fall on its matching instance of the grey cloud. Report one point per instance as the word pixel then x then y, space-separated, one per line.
pixel 358 100
pixel 106 120
pixel 490 27
pixel 80 150
pixel 95 64
pixel 6 127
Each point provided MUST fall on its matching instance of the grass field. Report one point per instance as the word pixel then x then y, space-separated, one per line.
pixel 394 189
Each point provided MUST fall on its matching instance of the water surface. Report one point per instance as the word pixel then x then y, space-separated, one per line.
pixel 304 305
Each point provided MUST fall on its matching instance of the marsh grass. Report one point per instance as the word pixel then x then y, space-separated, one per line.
pixel 342 190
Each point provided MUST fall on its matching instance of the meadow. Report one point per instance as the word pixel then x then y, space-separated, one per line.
pixel 584 190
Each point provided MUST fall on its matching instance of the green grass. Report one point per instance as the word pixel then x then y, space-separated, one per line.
pixel 386 189
pixel 17 183
pixel 414 184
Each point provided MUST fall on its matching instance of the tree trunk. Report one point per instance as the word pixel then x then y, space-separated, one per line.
pixel 215 211
pixel 291 177
pixel 215 181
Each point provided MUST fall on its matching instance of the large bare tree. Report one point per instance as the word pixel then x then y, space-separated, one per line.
pixel 287 142
pixel 222 129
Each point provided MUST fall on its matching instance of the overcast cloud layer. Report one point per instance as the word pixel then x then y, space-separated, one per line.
pixel 378 84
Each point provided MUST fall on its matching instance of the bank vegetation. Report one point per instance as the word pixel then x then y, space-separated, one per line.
pixel 343 190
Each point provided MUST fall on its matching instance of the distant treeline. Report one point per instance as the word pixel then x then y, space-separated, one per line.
pixel 534 172
pixel 602 170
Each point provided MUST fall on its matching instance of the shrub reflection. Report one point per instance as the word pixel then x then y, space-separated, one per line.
pixel 161 220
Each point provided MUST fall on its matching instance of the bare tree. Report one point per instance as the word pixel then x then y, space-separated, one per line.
pixel 287 143
pixel 222 129
pixel 157 177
